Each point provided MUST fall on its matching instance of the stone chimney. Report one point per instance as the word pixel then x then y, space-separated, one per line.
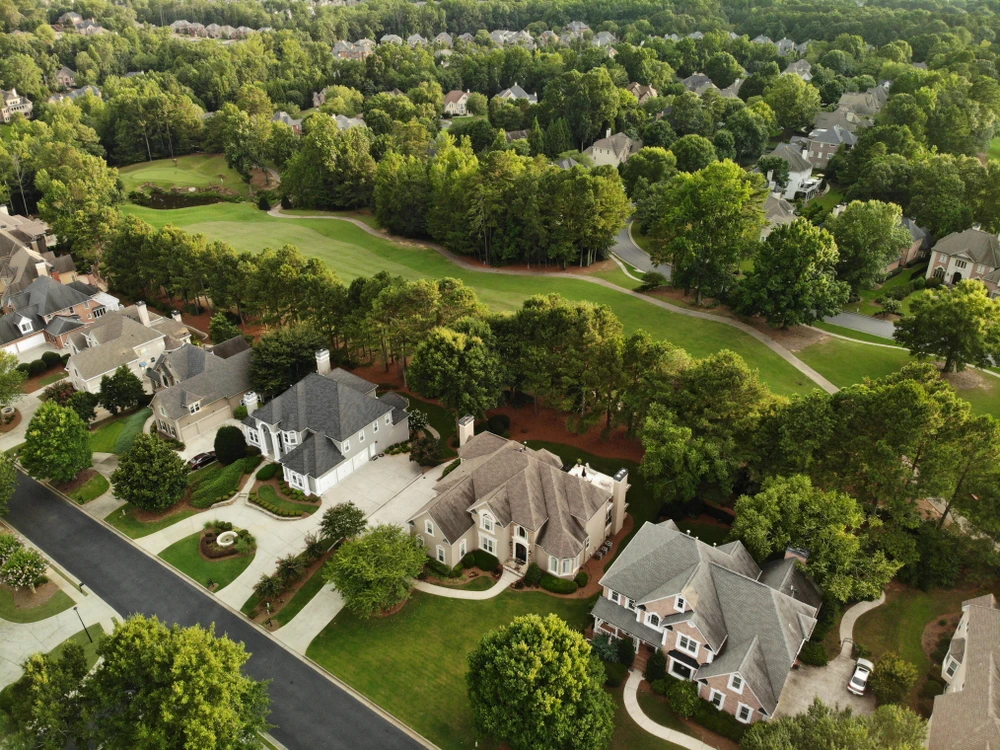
pixel 466 429
pixel 42 268
pixel 802 555
pixel 176 315
pixel 140 308
pixel 619 489
pixel 323 361
pixel 249 400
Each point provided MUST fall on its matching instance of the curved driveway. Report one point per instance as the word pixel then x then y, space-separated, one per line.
pixel 309 710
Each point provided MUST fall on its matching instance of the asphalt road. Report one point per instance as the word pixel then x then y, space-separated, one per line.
pixel 310 711
pixel 631 253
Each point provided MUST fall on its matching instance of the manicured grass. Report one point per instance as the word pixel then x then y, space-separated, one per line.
pixel 89 649
pixel 846 362
pixel 302 597
pixel 413 663
pixel 831 199
pixel 125 521
pixel 898 625
pixel 184 556
pixel 352 252
pixel 117 435
pixel 215 483
pixel 640 239
pixel 58 602
pixel 629 735
pixel 866 305
pixel 993 152
pixel 195 170
pixel 49 379
pixel 94 488
pixel 657 709
pixel 361 216
pixel 267 494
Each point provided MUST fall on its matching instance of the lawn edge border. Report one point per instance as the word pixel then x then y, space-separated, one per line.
pixel 348 689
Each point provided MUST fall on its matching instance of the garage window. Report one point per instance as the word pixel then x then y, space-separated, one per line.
pixel 347 446
pixel 361 436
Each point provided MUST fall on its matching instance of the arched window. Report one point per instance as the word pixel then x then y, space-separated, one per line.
pixel 653 620
pixel 939 272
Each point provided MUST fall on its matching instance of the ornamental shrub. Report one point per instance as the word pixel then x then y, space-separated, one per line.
pixel 240 412
pixel 931 689
pixel 230 445
pixel 23 568
pixel 498 424
pixel 615 673
pixel 267 471
pixel 626 651
pixel 534 575
pixel 426 451
pixel 451 467
pixel 659 686
pixel 439 569
pixel 264 204
pixel 9 544
pixel 605 647
pixel 891 307
pixel 683 697
pixel 814 654
pixel 899 292
pixel 286 202
pixel 918 283
pixel 934 282
pixel 581 579
pixel 652 280
pixel 892 678
pixel 485 561
pixel 656 667
pixel 557 585
pixel 36 367
pixel 51 359
pixel 469 560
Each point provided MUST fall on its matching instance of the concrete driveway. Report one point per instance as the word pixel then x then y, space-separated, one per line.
pixel 374 484
pixel 828 683
pixel 205 442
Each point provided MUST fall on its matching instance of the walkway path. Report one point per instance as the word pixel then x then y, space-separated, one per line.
pixel 496 589
pixel 862 323
pixel 767 341
pixel 850 618
pixel 657 730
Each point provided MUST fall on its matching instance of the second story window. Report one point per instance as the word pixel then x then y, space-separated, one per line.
pixel 487 522
pixel 429 528
pixel 653 620
pixel 195 407
pixel 680 604
pixel 361 436
pixel 689 645
pixel 347 446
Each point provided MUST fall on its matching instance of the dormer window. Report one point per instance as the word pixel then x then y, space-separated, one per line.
pixel 24 326
pixel 487 522
pixel 653 620
pixel 194 408
pixel 680 604
pixel 290 437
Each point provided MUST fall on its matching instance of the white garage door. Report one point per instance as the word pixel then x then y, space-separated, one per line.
pixel 361 459
pixel 344 469
pixel 29 343
pixel 208 423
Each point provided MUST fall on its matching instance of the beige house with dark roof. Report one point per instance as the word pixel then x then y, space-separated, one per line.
pixel 132 337
pixel 967 715
pixel 721 620
pixel 520 506
pixel 612 150
pixel 197 388
pixel 972 254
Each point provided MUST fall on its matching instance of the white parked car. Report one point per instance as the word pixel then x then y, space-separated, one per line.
pixel 859 680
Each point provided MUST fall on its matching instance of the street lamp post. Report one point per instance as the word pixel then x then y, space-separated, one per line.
pixel 77 610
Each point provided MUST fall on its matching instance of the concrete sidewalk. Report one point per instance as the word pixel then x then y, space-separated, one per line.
pixel 496 589
pixel 657 730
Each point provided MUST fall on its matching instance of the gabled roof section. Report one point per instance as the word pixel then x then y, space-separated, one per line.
pixel 45 296
pixel 115 338
pixel 324 405
pixel 793 155
pixel 982 247
pixel 203 377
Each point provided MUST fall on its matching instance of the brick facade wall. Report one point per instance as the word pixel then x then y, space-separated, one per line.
pixel 733 699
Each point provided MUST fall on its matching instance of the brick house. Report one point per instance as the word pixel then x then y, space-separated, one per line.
pixel 47 311
pixel 971 254
pixel 721 620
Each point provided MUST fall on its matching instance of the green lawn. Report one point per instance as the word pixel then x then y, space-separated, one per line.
pixel 93 488
pixel 214 483
pixel 413 663
pixel 301 598
pixel 196 170
pixel 630 736
pixel 866 305
pixel 362 216
pixel 89 649
pixel 847 362
pixel 58 602
pixel 118 434
pixel 267 494
pixel 184 556
pixel 49 379
pixel 125 521
pixel 831 199
pixel 640 239
pixel 352 252
pixel 994 149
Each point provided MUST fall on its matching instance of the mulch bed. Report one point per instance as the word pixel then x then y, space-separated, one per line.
pixel 12 423
pixel 145 516
pixel 934 630
pixel 24 599
pixel 467 575
pixel 260 615
pixel 76 482
pixel 210 553
pixel 275 483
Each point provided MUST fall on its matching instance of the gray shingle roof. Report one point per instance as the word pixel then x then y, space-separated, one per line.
pixel 786 576
pixel 45 296
pixel 981 247
pixel 351 380
pixel 116 337
pixel 623 619
pixel 517 484
pixel 793 155
pixel 314 457
pixel 323 405
pixel 834 135
pixel 201 376
pixel 969 719
pixel 228 348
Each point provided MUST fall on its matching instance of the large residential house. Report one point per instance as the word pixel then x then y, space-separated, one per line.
pixel 920 244
pixel 777 212
pixel 800 179
pixel 519 505
pixel 391 39
pixel 353 50
pixel 864 103
pixel 722 622
pixel 132 337
pixel 967 715
pixel 13 104
pixel 65 78
pixel 444 39
pixel 603 39
pixel 455 102
pixel 800 68
pixel 75 94
pixel 198 388
pixel 698 83
pixel 515 92
pixel 287 119
pixel 612 149
pixel 22 266
pixel 346 123
pixel 640 92
pixel 23 231
pixel 843 118
pixel 47 311
pixel 823 144
pixel 972 254
pixel 325 426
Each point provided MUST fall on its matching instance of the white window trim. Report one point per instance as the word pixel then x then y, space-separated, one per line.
pixel 290 437
pixel 673 663
pixel 375 426
pixel 630 604
pixel 680 603
pixel 388 418
pixel 951 668
pixel 428 527
pixel 733 687
pixel 554 565
pixel 691 652
pixel 614 596
pixel 485 542
pixel 486 522
pixel 739 710
pixel 567 565
pixel 194 408
pixel 522 533
pixel 711 698
pixel 649 619
pixel 463 548
pixel 252 437
pixel 361 436
pixel 440 554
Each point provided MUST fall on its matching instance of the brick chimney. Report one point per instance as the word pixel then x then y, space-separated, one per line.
pixel 802 555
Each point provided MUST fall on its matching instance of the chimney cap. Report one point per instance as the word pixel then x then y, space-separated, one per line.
pixel 467 419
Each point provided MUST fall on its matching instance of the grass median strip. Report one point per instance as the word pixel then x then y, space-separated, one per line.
pixel 185 556
pixel 94 488
pixel 124 519
pixel 60 601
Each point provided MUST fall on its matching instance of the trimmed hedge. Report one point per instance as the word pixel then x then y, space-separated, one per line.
pixel 51 359
pixel 485 561
pixel 273 508
pixel 581 579
pixel 451 467
pixel 656 667
pixel 534 575
pixel 558 585
pixel 615 673
pixel 814 654
pixel 268 471
pixel 469 560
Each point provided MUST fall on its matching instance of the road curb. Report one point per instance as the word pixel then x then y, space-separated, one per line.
pixel 319 669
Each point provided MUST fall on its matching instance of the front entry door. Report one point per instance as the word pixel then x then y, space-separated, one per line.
pixel 520 552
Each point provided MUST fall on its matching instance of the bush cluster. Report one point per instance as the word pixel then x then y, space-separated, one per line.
pixel 581 579
pixel 485 561
pixel 240 412
pixel 498 424
pixel 292 493
pixel 426 451
pixel 268 471
pixel 451 467
pixel 440 570
pixel 814 654
pixel 283 512
pixel 656 667
pixel 398 448
pixel 558 585
pixel 534 575
pixel 615 673
pixel 468 561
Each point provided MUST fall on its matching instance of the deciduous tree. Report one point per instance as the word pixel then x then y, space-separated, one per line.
pixel 57 444
pixel 150 475
pixel 342 521
pixel 121 391
pixel 892 678
pixel 459 369
pixel 869 236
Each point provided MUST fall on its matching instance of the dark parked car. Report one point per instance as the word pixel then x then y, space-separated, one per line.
pixel 201 460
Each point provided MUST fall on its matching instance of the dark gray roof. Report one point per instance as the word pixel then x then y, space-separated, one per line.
pixel 110 342
pixel 981 247
pixel 60 325
pixel 917 233
pixel 517 484
pixel 835 135
pixel 45 296
pixel 200 377
pixel 351 380
pixel 9 330
pixel 786 577
pixel 398 403
pixel 314 457
pixel 793 155
pixel 228 348
pixel 323 405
